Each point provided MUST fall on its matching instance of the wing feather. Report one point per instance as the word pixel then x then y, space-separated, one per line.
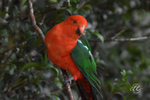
pixel 86 64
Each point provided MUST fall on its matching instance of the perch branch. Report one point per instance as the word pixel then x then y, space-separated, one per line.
pixel 33 21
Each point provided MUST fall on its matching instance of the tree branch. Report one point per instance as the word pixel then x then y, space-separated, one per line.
pixel 33 21
pixel 121 40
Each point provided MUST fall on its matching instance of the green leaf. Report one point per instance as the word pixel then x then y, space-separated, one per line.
pixel 40 86
pixel 57 71
pixel 95 32
pixel 82 11
pixel 70 10
pixel 126 87
pixel 121 95
pixel 42 61
pixel 88 6
pixel 31 64
pixel 19 64
pixel 25 3
pixel 4 33
pixel 59 84
pixel 3 13
pixel 123 72
pixel 117 88
pixel 13 25
pixel 124 75
pixel 56 98
pixel 18 12
pixel 129 72
pixel 52 1
pixel 99 36
pixel 47 73
pixel 123 79
pixel 48 65
pixel 111 87
pixel 90 30
pixel 46 58
pixel 77 6
pixel 116 79
pixel 127 15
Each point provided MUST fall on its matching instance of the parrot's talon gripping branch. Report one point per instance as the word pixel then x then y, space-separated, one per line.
pixel 33 21
pixel 67 84
pixel 68 80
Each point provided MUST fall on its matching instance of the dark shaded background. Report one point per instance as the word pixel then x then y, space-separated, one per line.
pixel 27 74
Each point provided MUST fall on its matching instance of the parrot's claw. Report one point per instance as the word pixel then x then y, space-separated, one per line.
pixel 68 80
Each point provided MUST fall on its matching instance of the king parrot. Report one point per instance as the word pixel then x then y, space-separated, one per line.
pixel 67 52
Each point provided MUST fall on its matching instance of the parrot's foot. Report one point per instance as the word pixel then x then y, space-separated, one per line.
pixel 68 80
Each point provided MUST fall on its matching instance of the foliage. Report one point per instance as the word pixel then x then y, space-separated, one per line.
pixel 26 72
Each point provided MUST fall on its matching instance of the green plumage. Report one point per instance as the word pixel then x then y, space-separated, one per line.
pixel 86 64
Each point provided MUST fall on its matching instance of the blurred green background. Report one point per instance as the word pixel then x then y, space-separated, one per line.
pixel 26 73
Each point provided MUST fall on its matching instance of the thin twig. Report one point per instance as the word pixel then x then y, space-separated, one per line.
pixel 121 40
pixel 42 19
pixel 9 56
pixel 33 21
pixel 117 34
pixel 46 10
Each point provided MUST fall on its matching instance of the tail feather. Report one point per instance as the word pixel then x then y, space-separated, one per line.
pixel 86 91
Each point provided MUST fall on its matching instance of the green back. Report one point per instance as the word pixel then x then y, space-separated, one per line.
pixel 86 64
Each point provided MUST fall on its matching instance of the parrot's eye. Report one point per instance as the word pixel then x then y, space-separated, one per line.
pixel 74 22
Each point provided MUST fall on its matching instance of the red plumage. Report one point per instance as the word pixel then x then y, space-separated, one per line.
pixel 60 41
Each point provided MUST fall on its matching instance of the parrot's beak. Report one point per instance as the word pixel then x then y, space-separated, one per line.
pixel 82 27
pixel 80 30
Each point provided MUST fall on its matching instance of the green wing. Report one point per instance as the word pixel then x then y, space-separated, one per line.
pixel 86 64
